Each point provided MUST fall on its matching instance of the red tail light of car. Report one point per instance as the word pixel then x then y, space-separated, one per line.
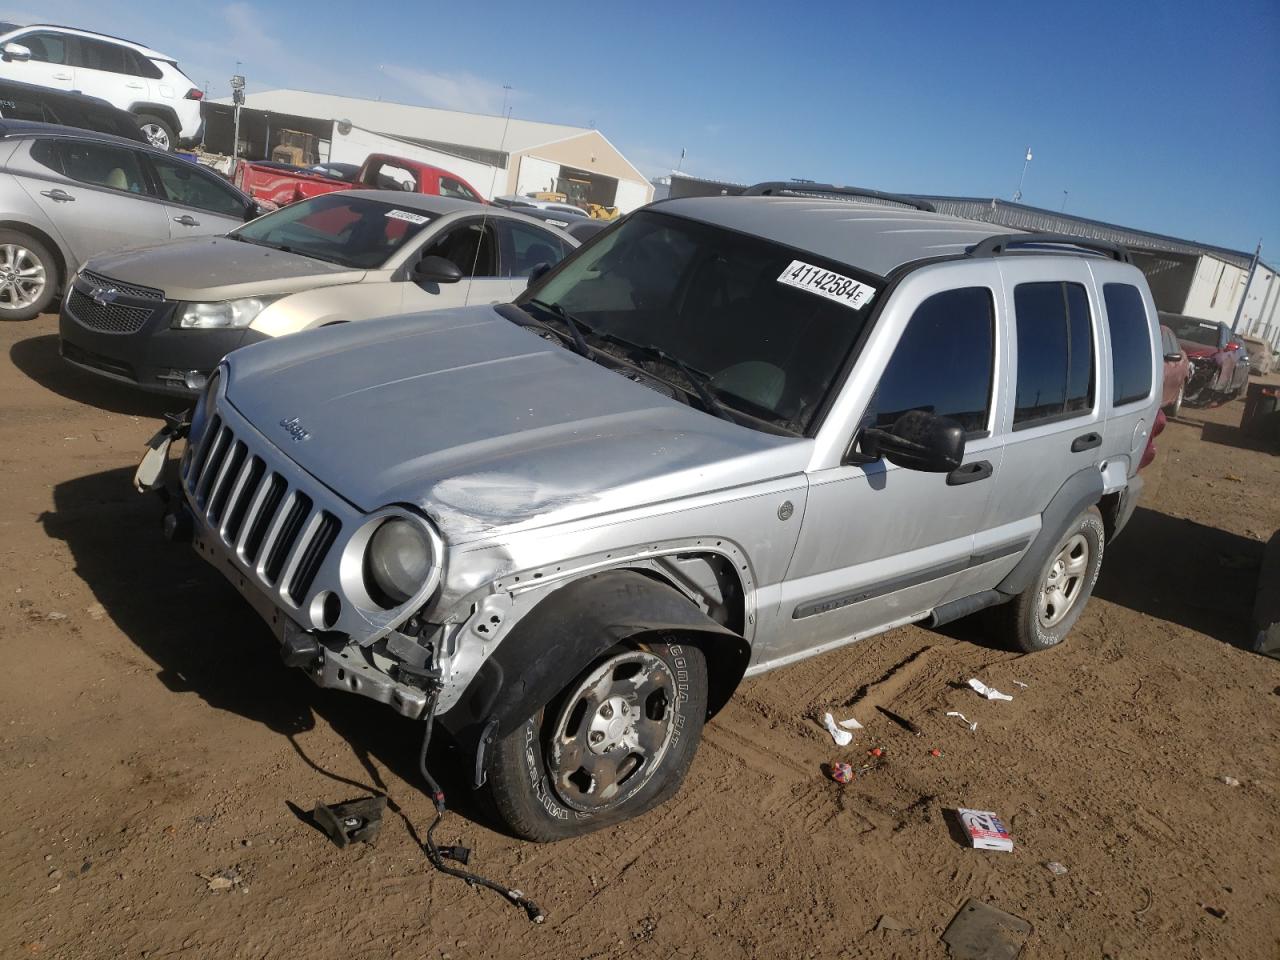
pixel 1157 428
pixel 195 93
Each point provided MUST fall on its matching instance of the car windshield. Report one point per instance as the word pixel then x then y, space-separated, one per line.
pixel 1197 331
pixel 337 227
pixel 764 329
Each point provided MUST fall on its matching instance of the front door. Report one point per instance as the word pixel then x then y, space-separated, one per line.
pixel 50 64
pixel 197 202
pixel 880 544
pixel 472 246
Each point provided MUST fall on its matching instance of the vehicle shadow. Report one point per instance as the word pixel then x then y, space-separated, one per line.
pixel 205 639
pixel 38 358
pixel 1230 435
pixel 1184 572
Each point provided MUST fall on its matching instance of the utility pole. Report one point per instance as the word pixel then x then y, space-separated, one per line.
pixel 237 98
pixel 1017 195
pixel 506 90
pixel 681 163
pixel 1257 252
pixel 1064 202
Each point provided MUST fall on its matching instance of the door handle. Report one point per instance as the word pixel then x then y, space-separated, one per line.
pixel 969 473
pixel 187 220
pixel 62 76
pixel 60 195
pixel 1086 441
pixel 136 86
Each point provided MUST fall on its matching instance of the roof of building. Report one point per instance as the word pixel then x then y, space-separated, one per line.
pixel 406 120
pixel 872 238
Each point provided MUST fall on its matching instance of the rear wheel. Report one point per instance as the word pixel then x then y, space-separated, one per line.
pixel 1041 616
pixel 1175 408
pixel 28 276
pixel 614 743
pixel 159 132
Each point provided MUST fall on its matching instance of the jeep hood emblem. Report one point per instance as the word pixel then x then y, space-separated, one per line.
pixel 294 426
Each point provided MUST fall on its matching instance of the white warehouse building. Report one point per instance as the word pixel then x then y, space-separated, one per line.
pixel 494 154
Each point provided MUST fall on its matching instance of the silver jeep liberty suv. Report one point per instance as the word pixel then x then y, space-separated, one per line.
pixel 728 433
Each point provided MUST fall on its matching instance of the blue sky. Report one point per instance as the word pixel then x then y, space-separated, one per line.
pixel 1159 116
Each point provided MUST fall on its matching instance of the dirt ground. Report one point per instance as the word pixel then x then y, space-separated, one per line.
pixel 150 740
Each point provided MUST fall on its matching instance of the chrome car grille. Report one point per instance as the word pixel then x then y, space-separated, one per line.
pixel 109 317
pixel 273 527
pixel 124 289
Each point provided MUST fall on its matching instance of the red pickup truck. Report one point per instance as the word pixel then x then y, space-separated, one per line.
pixel 283 185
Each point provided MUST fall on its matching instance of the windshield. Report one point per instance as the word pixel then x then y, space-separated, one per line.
pixel 1197 331
pixel 337 227
pixel 764 328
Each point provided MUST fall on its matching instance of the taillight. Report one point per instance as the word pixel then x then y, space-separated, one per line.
pixel 195 93
pixel 1157 428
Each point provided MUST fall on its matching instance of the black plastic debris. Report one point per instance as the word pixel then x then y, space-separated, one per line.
pixel 983 932
pixel 354 820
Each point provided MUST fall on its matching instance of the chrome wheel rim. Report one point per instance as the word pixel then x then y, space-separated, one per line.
pixel 613 731
pixel 156 135
pixel 1065 580
pixel 22 276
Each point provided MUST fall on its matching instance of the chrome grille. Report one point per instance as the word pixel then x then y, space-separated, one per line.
pixel 274 528
pixel 125 289
pixel 109 318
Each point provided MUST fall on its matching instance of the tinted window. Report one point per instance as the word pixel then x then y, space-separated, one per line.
pixel 183 182
pixel 1130 343
pixel 103 165
pixel 45 47
pixel 529 247
pixel 1055 352
pixel 1206 332
pixel 100 55
pixel 470 247
pixel 943 363
pixel 17 107
pixel 45 153
pixel 449 187
pixel 137 65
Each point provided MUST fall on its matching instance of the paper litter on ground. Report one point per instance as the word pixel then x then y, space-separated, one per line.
pixel 1021 684
pixel 973 724
pixel 851 724
pixel 991 693
pixel 842 737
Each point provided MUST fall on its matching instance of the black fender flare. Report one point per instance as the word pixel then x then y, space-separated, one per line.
pixel 564 632
pixel 1081 491
pixel 166 113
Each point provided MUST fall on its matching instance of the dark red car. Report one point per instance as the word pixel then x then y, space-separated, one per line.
pixel 1219 362
pixel 1177 367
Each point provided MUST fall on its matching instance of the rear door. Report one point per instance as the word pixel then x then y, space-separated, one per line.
pixel 1134 373
pixel 1054 412
pixel 101 70
pixel 470 244
pixel 51 60
pixel 96 194
pixel 197 202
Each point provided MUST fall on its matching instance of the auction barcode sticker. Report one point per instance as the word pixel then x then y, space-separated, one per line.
pixel 407 216
pixel 827 283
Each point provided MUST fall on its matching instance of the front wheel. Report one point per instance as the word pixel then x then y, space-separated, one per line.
pixel 1175 408
pixel 615 742
pixel 1041 616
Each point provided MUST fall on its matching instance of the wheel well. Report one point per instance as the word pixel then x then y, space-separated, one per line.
pixel 48 241
pixel 167 114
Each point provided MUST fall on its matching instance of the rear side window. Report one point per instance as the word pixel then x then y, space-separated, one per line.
pixel 135 64
pixel 183 182
pixel 1055 352
pixel 103 166
pixel 1130 343
pixel 943 363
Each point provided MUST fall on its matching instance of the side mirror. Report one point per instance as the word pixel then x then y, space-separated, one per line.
pixel 539 271
pixel 257 208
pixel 436 270
pixel 918 440
pixel 1173 357
pixel 16 51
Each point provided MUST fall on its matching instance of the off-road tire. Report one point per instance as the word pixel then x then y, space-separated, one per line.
pixel 18 240
pixel 520 783
pixel 1019 622
pixel 150 119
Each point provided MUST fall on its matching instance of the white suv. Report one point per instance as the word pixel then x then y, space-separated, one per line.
pixel 127 75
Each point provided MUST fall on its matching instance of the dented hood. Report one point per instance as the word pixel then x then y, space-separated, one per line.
pixel 484 424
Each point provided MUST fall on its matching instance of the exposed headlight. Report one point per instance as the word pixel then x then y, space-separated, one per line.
pixel 225 314
pixel 397 562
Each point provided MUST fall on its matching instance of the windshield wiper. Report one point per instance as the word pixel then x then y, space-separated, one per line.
pixel 575 325
pixel 522 318
pixel 696 379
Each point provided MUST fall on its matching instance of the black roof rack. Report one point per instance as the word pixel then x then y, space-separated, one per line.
pixel 96 33
pixel 1000 244
pixel 773 188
